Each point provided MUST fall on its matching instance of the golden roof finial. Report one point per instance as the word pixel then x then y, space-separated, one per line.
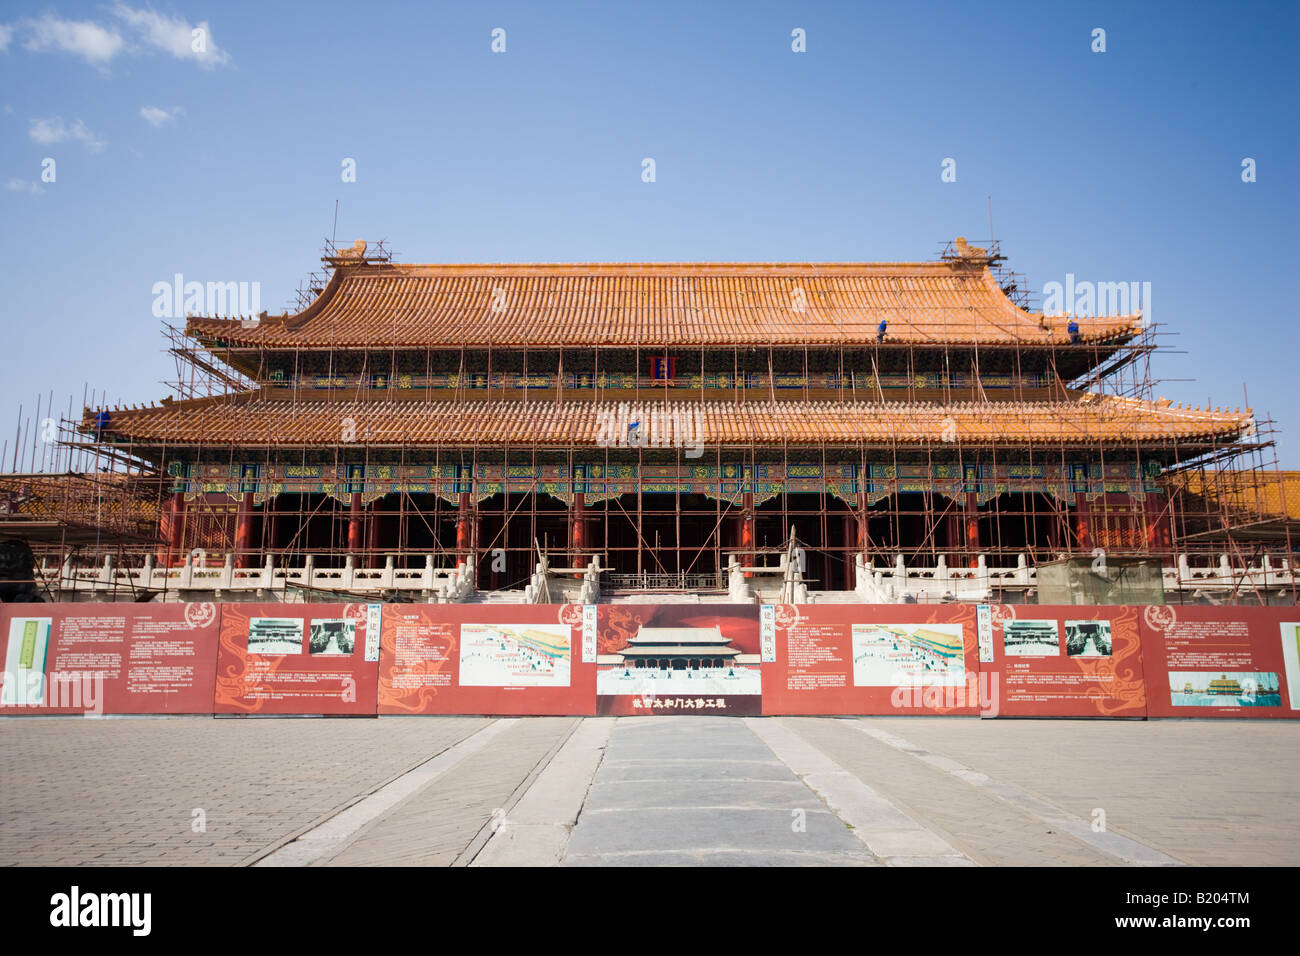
pixel 968 251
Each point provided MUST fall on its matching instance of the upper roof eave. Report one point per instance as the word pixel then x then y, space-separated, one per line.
pixel 376 306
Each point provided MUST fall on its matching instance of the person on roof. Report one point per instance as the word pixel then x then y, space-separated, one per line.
pixel 880 330
pixel 1073 329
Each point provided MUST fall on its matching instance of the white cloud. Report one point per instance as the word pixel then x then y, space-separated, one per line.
pixel 174 35
pixel 56 130
pixel 93 43
pixel 23 186
pixel 137 30
pixel 157 116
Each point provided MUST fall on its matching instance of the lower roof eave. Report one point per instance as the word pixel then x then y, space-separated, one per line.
pixel 1185 448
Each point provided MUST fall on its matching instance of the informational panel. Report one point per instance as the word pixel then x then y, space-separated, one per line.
pixel 488 659
pixel 872 659
pixel 1221 661
pixel 614 659
pixel 678 659
pixel 1064 661
pixel 108 658
pixel 298 659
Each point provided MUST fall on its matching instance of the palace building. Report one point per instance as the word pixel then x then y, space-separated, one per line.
pixel 679 648
pixel 664 419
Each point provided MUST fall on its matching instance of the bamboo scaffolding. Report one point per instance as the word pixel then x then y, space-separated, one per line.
pixel 1211 497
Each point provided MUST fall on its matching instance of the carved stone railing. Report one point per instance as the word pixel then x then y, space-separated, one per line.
pixel 196 581
pixel 550 585
pixel 783 583
pixel 899 583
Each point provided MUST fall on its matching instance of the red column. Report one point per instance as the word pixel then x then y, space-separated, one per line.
pixel 244 530
pixel 495 576
pixel 1164 529
pixel 1157 524
pixel 1123 523
pixel 731 535
pixel 953 530
pixel 271 515
pixel 1054 531
pixel 578 529
pixel 972 528
pixel 747 529
pixel 467 536
pixel 462 525
pixel 372 535
pixel 170 525
pixel 850 555
pixel 1082 528
pixel 354 523
pixel 164 553
pixel 864 538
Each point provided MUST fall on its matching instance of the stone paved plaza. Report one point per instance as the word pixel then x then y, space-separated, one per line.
pixel 648 791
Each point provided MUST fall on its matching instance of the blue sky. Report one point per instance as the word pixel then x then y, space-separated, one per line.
pixel 1122 166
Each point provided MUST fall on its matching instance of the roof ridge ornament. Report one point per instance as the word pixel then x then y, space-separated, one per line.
pixel 961 252
pixel 359 253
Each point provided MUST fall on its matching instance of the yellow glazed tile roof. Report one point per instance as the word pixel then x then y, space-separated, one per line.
pixel 663 304
pixel 254 421
pixel 1264 492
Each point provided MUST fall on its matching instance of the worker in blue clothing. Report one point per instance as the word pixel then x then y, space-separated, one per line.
pixel 1073 329
pixel 880 330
